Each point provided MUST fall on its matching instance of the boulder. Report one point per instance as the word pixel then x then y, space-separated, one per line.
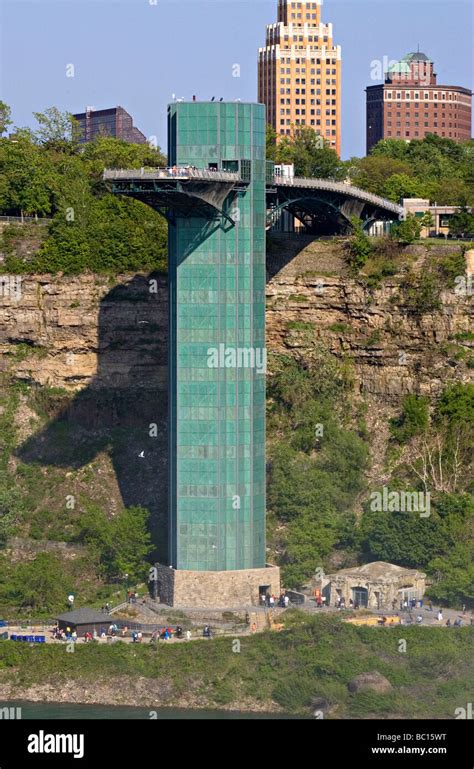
pixel 370 682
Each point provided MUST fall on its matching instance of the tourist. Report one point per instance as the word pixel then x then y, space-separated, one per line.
pixel 140 637
pixel 458 622
pixel 319 602
pixel 351 603
pixel 464 608
pixel 179 631
pixel 324 601
pixel 287 601
pixel 419 619
pixel 430 606
pixel 440 615
pixel 254 627
pixel 271 602
pixel 188 635
pixel 448 622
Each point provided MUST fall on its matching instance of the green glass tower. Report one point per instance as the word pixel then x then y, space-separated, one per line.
pixel 217 362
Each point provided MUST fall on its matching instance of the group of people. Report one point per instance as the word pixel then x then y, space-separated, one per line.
pixel 166 633
pixel 64 634
pixel 269 600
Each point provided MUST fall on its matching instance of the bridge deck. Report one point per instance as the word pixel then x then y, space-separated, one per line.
pixel 339 187
pixel 190 174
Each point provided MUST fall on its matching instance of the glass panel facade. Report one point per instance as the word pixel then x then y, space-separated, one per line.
pixel 217 348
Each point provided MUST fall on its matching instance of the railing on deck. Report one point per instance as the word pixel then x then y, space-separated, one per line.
pixel 176 172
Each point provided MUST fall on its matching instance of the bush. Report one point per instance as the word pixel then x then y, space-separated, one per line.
pixel 413 420
pixel 360 246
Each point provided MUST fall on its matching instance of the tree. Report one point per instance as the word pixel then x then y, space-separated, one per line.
pixel 407 231
pixel 120 545
pixel 413 420
pixel 310 154
pixel 427 221
pixel 5 113
pixel 56 128
pixel 462 223
pixel 360 246
pixel 39 585
pixel 373 172
pixel 401 186
pixel 271 142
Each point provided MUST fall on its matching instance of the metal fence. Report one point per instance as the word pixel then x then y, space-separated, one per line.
pixel 24 220
pixel 176 172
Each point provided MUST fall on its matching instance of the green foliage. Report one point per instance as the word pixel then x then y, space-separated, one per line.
pixel 55 128
pixel 360 246
pixel 456 405
pixel 401 186
pixel 111 235
pixel 407 231
pixel 373 172
pixel 406 539
pixel 120 544
pixel 462 224
pixel 48 174
pixel 37 586
pixel 316 469
pixel 310 154
pixel 413 419
pixel 5 117
pixel 439 169
pixel 453 575
pixel 421 293
pixel 451 267
pixel 11 509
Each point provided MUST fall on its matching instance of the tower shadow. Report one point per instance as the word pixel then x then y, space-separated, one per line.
pixel 114 413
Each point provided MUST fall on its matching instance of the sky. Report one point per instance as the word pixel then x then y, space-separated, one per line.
pixel 141 53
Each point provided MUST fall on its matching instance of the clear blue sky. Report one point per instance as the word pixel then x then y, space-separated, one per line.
pixel 138 54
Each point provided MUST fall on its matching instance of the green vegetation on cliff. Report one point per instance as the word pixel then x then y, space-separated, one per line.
pixel 49 174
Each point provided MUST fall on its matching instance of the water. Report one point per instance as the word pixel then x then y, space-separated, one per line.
pixel 66 711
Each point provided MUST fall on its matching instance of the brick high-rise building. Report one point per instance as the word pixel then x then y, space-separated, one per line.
pixel 411 104
pixel 299 76
pixel 115 122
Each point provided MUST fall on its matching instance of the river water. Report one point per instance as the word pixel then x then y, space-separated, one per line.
pixel 67 711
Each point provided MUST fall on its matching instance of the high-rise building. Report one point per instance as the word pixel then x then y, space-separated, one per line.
pixel 411 104
pixel 115 122
pixel 299 76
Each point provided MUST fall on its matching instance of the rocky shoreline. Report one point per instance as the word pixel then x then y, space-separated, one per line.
pixel 127 691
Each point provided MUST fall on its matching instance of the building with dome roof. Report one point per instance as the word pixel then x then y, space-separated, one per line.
pixel 410 104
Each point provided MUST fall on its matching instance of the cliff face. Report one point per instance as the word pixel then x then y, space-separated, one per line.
pixel 87 332
pixel 395 352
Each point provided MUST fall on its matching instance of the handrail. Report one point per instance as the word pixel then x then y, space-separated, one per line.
pixel 175 172
pixel 327 184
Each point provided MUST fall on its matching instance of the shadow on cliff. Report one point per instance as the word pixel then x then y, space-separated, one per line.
pixel 114 413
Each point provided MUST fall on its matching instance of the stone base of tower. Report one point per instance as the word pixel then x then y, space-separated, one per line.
pixel 215 589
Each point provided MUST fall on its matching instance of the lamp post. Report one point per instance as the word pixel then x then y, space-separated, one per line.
pixel 125 576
